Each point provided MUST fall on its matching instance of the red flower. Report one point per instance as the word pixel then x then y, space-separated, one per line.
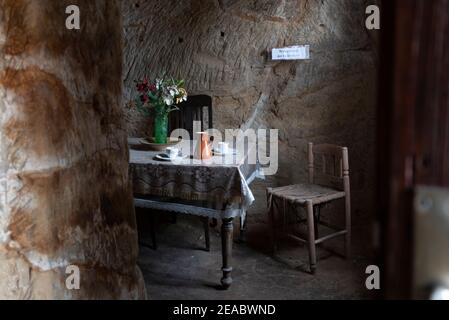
pixel 143 86
pixel 153 88
pixel 144 98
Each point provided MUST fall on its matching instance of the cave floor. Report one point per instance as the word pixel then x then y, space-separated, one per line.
pixel 181 270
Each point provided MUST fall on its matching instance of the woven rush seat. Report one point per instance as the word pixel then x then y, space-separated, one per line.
pixel 301 193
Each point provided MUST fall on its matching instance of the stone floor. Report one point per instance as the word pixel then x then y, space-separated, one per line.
pixel 181 269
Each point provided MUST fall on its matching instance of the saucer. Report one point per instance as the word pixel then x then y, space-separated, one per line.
pixel 232 152
pixel 164 157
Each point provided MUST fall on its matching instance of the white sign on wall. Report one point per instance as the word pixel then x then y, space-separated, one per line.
pixel 291 53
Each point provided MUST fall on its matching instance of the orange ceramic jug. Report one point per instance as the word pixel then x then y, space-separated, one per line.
pixel 203 147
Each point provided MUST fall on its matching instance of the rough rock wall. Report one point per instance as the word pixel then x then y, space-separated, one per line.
pixel 220 48
pixel 65 197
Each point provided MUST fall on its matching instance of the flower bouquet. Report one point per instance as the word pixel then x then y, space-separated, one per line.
pixel 158 98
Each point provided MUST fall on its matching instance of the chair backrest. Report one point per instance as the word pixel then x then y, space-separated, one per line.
pixel 329 166
pixel 196 108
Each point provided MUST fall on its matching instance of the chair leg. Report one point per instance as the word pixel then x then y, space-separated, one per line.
pixel 174 218
pixel 348 227
pixel 284 217
pixel 214 223
pixel 311 237
pixel 316 221
pixel 272 221
pixel 206 232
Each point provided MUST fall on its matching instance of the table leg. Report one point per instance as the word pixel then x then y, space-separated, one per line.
pixel 206 227
pixel 153 230
pixel 227 229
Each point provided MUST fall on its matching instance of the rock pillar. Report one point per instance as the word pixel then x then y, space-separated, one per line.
pixel 65 195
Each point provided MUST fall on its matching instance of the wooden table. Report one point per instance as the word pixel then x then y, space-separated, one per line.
pixel 217 188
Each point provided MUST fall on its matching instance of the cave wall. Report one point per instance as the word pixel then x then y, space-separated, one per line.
pixel 220 48
pixel 65 197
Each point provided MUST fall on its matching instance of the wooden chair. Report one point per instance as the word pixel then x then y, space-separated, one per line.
pixel 328 167
pixel 196 108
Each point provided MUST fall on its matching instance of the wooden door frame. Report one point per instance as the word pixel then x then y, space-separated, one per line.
pixel 413 126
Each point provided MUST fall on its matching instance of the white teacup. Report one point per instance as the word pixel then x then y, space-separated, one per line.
pixel 172 153
pixel 223 147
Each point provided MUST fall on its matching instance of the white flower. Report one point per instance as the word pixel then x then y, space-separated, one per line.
pixel 173 91
pixel 158 84
pixel 168 100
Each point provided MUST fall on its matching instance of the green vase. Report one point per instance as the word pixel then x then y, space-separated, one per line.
pixel 161 128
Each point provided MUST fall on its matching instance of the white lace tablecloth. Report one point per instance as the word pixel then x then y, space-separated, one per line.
pixel 219 185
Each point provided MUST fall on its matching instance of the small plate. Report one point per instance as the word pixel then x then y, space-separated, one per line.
pixel 231 152
pixel 164 157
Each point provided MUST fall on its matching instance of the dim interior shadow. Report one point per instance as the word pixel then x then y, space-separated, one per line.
pixel 303 265
pixel 170 280
pixel 153 275
pixel 146 242
pixel 258 241
pixel 167 229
